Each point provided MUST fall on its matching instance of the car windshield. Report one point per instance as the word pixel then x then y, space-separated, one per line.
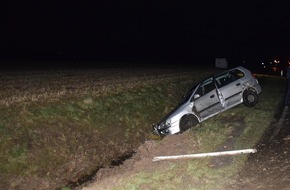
pixel 188 94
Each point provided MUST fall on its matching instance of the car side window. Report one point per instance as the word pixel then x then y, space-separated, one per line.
pixel 224 79
pixel 206 87
pixel 228 77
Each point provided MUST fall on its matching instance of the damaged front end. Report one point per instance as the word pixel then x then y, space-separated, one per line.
pixel 162 128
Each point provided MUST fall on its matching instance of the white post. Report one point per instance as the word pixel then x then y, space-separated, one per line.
pixel 224 153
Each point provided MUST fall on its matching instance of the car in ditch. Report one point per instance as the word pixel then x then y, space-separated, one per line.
pixel 213 95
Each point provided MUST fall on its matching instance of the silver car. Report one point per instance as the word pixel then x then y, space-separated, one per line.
pixel 214 95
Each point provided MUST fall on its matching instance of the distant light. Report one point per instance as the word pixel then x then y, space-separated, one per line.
pixel 263 63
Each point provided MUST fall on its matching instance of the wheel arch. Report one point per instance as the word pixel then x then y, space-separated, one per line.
pixel 187 121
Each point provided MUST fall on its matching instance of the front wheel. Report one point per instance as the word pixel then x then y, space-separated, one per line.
pixel 250 98
pixel 187 122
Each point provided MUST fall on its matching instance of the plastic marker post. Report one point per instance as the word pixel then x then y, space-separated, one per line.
pixel 201 155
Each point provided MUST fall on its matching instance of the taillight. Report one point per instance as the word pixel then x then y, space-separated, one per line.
pixel 253 75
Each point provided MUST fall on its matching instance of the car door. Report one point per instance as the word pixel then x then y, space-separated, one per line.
pixel 230 86
pixel 206 99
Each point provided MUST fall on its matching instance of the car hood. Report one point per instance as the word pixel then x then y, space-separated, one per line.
pixel 172 112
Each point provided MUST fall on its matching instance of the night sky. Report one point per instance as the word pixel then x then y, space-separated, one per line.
pixel 144 31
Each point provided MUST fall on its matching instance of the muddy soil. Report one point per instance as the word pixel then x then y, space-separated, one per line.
pixel 269 168
pixel 142 160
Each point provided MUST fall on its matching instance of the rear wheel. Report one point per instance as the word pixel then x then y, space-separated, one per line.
pixel 187 122
pixel 250 98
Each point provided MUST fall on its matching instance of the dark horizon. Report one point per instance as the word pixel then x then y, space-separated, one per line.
pixel 145 32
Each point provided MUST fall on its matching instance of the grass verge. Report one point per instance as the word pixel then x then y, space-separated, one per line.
pixel 49 144
pixel 238 128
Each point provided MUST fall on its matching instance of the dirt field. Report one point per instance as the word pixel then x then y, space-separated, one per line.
pixel 269 168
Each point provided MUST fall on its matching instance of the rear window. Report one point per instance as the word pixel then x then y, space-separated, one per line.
pixel 237 74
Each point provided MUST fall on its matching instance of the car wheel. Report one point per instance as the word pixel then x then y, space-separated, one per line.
pixel 250 98
pixel 187 122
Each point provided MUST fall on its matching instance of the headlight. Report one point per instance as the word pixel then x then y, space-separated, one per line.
pixel 164 124
pixel 168 122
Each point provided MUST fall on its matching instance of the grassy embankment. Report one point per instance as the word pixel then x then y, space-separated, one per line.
pixel 52 134
pixel 56 127
pixel 215 133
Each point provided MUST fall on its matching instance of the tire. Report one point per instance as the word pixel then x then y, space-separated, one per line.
pixel 250 98
pixel 187 122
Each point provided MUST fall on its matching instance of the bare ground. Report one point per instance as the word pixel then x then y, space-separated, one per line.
pixel 269 168
pixel 107 178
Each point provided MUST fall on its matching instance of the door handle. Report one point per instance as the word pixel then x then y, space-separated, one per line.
pixel 238 84
pixel 212 96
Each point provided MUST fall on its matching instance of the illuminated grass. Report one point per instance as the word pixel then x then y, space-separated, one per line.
pixel 54 131
pixel 197 173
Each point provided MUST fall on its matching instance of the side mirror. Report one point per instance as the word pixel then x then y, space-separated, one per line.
pixel 196 96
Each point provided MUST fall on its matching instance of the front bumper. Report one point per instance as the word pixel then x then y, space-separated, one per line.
pixel 160 130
